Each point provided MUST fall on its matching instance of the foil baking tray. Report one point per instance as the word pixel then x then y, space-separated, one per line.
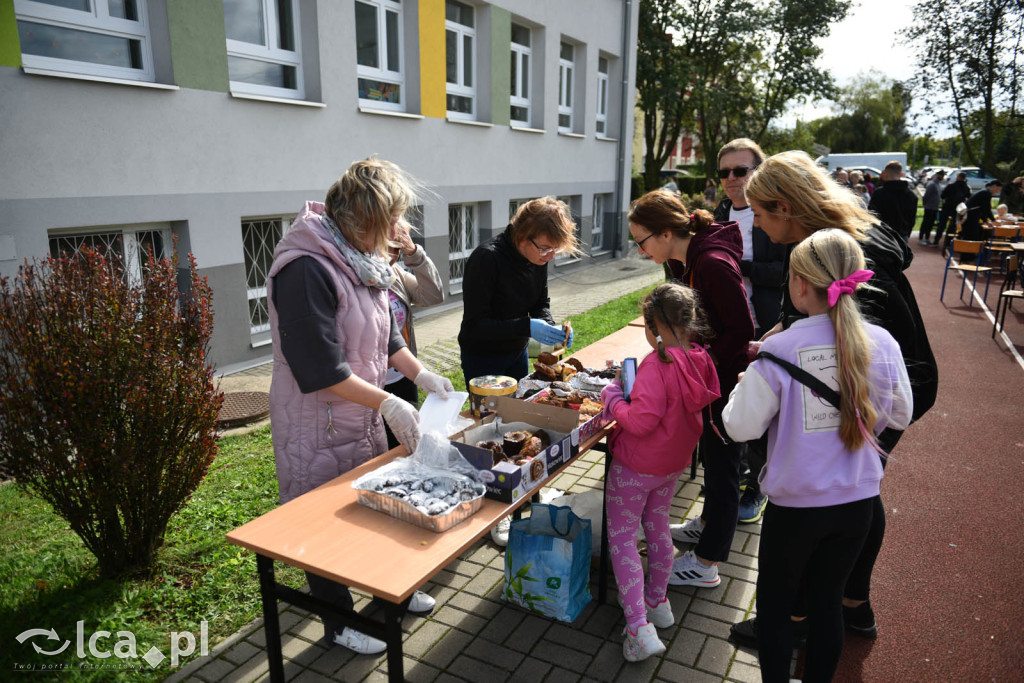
pixel 399 509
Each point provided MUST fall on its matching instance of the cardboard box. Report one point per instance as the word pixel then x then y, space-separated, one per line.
pixel 507 481
pixel 587 429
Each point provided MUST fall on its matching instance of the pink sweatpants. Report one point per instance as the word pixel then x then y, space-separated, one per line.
pixel 631 499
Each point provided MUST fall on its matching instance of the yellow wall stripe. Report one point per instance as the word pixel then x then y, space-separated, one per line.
pixel 433 83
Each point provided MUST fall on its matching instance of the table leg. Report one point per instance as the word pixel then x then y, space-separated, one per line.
pixel 602 565
pixel 393 637
pixel 271 623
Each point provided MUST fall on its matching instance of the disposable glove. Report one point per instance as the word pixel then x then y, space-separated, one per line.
pixel 568 343
pixel 403 420
pixel 545 333
pixel 434 383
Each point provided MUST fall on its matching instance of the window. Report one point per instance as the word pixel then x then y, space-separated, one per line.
pixel 108 38
pixel 597 236
pixel 520 94
pixel 460 37
pixel 264 56
pixel 514 205
pixel 259 237
pixel 573 202
pixel 129 247
pixel 566 66
pixel 602 96
pixel 379 54
pixel 461 242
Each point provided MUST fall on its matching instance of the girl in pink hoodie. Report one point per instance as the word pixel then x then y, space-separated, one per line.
pixel 658 429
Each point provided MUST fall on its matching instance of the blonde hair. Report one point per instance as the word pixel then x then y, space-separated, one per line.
pixel 815 199
pixel 365 199
pixel 547 217
pixel 821 259
pixel 660 211
pixel 677 307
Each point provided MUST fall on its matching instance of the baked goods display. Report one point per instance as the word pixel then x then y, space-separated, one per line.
pixel 513 442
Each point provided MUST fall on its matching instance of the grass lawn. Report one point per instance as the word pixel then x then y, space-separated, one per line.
pixel 48 580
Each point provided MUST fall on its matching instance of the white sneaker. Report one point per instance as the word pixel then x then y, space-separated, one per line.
pixel 421 603
pixel 687 532
pixel 661 616
pixel 499 534
pixel 641 646
pixel 360 642
pixel 687 570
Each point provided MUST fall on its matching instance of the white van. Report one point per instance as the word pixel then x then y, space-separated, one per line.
pixel 871 159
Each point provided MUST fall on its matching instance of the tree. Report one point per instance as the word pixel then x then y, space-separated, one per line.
pixel 725 69
pixel 967 58
pixel 871 116
pixel 107 404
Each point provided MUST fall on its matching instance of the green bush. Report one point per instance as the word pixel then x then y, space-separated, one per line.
pixel 636 187
pixel 108 403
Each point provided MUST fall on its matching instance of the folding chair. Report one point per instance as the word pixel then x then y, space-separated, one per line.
pixel 967 247
pixel 1007 294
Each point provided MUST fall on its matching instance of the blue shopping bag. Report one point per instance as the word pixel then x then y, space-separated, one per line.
pixel 547 562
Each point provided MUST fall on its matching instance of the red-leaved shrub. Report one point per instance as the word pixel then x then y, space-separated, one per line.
pixel 107 403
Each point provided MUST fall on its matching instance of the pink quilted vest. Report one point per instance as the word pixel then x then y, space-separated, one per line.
pixel 319 436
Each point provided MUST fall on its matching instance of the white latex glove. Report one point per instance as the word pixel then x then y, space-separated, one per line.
pixel 434 383
pixel 403 420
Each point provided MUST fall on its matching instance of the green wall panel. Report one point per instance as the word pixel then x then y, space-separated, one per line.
pixel 198 44
pixel 10 45
pixel 501 65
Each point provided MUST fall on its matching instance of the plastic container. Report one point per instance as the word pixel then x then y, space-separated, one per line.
pixel 489 385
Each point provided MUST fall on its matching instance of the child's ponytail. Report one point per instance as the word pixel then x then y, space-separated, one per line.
pixel 677 307
pixel 832 262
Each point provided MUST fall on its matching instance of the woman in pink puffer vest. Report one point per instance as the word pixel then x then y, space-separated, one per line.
pixel 334 337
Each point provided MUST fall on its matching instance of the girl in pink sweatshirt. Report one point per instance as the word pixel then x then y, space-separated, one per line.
pixel 658 428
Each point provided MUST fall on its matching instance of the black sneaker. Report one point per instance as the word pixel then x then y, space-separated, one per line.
pixel 744 633
pixel 860 620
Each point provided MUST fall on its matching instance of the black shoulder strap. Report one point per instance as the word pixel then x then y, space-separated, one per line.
pixel 805 378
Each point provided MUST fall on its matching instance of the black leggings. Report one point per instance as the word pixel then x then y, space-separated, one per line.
pixel 814 550
pixel 721 489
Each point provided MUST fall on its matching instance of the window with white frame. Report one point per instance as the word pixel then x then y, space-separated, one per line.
pixel 259 237
pixel 597 235
pixel 566 66
pixel 264 55
pixel 520 92
pixel 461 242
pixel 602 96
pixel 379 49
pixel 129 247
pixel 107 38
pixel 460 55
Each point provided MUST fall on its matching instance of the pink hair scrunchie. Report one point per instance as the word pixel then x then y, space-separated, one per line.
pixel 847 285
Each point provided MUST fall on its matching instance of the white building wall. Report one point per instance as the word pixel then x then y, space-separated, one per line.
pixel 77 154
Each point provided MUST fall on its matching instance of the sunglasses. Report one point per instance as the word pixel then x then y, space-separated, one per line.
pixel 737 172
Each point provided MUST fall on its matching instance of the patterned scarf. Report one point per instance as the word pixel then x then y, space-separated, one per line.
pixel 373 269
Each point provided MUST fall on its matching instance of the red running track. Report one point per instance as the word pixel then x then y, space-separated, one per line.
pixel 948 588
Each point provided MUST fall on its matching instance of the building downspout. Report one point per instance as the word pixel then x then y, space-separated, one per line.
pixel 625 140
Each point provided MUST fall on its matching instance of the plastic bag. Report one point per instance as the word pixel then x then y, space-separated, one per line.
pixel 587 505
pixel 547 562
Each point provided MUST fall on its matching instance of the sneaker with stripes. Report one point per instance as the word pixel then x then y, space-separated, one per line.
pixel 687 570
pixel 687 532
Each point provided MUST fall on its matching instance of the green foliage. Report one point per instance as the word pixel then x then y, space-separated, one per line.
pixel 968 60
pixel 726 69
pixel 872 117
pixel 636 187
pixel 49 579
pixel 108 402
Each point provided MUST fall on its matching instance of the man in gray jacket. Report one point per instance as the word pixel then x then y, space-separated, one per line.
pixel 931 202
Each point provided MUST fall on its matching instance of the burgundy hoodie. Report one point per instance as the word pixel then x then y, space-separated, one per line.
pixel 713 269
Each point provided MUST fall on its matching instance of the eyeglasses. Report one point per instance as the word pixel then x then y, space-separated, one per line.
pixel 544 251
pixel 737 172
pixel 640 244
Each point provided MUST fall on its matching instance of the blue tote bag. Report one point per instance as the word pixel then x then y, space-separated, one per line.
pixel 547 562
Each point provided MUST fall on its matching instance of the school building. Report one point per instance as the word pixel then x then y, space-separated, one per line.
pixel 129 124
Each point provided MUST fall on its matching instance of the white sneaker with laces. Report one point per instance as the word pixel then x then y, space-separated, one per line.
pixel 661 616
pixel 641 646
pixel 360 642
pixel 687 570
pixel 687 532
pixel 499 534
pixel 421 603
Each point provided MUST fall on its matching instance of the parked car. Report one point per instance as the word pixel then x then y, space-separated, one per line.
pixel 976 178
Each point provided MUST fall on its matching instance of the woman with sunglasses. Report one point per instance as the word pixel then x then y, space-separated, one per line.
pixel 505 291
pixel 705 256
pixel 417 282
